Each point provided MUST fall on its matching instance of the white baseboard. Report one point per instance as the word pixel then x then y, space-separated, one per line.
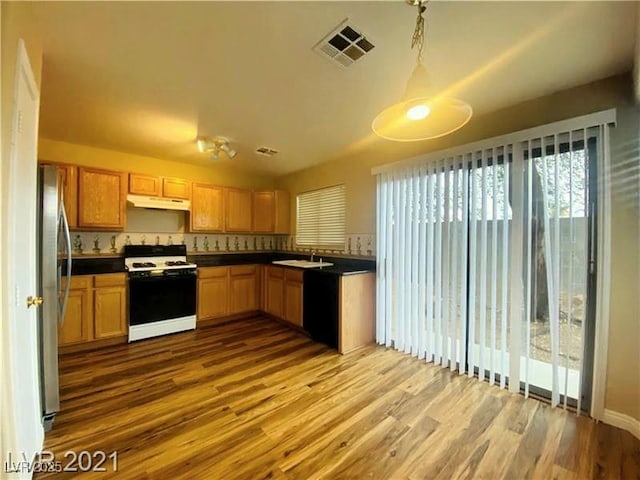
pixel 623 421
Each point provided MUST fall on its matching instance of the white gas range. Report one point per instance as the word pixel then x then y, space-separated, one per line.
pixel 162 290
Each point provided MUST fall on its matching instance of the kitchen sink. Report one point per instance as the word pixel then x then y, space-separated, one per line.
pixel 302 263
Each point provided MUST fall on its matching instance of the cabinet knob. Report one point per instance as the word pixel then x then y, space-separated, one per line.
pixel 34 301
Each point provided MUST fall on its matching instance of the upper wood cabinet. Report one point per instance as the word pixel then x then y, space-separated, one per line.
pixel 154 186
pixel 145 185
pixel 206 208
pixel 238 210
pixel 68 183
pixel 271 211
pixel 176 188
pixel 283 212
pixel 101 199
pixel 264 211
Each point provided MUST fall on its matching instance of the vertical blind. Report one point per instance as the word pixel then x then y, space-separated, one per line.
pixel 484 257
pixel 321 217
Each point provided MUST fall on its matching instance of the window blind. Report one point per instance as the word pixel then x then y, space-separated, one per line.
pixel 484 258
pixel 321 217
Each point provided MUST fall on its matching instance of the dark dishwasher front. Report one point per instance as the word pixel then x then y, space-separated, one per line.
pixel 320 306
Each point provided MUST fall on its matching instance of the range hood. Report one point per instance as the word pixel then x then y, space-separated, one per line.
pixel 140 201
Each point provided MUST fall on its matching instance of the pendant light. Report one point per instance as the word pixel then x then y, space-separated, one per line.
pixel 421 114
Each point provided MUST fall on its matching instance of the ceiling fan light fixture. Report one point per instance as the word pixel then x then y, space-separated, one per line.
pixel 202 143
pixel 421 114
pixel 214 146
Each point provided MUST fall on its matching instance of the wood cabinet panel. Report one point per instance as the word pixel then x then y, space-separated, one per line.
pixel 244 293
pixel 213 292
pixel 78 320
pixel 110 280
pixel 206 208
pixel 294 275
pixel 357 319
pixel 293 306
pixel 243 270
pixel 238 210
pixel 264 212
pixel 176 188
pixel 274 291
pixel 283 212
pixel 68 181
pixel 101 198
pixel 212 272
pixel 145 185
pixel 110 312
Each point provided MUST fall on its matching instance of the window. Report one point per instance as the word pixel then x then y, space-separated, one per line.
pixel 320 219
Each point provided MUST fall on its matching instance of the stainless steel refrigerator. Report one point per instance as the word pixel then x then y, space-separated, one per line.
pixel 54 259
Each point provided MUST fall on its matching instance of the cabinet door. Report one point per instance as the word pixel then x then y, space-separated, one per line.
pixel 213 292
pixel 206 208
pixel 110 305
pixel 110 312
pixel 293 302
pixel 244 289
pixel 238 210
pixel 101 199
pixel 283 212
pixel 264 212
pixel 275 291
pixel 68 180
pixel 176 188
pixel 78 319
pixel 145 185
pixel 293 280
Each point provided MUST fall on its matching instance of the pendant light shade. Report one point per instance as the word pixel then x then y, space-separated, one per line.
pixel 421 114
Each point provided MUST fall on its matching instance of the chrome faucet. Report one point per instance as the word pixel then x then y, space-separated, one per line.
pixel 313 254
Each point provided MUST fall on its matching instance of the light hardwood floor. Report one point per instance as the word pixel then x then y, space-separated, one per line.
pixel 253 399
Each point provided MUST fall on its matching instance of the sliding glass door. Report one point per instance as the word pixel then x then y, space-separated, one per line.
pixel 557 211
pixel 487 263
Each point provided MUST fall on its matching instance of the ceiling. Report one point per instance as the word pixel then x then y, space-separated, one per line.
pixel 148 77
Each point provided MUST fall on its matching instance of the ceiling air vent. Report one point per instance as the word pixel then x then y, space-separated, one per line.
pixel 345 45
pixel 266 151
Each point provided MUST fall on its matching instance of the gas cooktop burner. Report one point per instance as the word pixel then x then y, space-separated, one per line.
pixel 176 263
pixel 143 264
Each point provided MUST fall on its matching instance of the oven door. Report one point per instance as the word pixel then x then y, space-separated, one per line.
pixel 161 297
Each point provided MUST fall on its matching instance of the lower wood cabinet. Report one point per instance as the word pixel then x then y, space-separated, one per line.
pixel 225 291
pixel 96 310
pixel 244 289
pixel 213 293
pixel 77 326
pixel 293 294
pixel 284 292
pixel 110 306
pixel 274 291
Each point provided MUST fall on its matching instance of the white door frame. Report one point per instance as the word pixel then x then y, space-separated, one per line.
pixel 10 431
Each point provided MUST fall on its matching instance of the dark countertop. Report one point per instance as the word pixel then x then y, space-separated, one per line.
pixel 342 266
pixel 95 266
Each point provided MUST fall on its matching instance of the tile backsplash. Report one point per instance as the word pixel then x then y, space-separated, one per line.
pixel 112 243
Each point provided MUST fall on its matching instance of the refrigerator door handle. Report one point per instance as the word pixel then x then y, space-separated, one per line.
pixel 65 297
